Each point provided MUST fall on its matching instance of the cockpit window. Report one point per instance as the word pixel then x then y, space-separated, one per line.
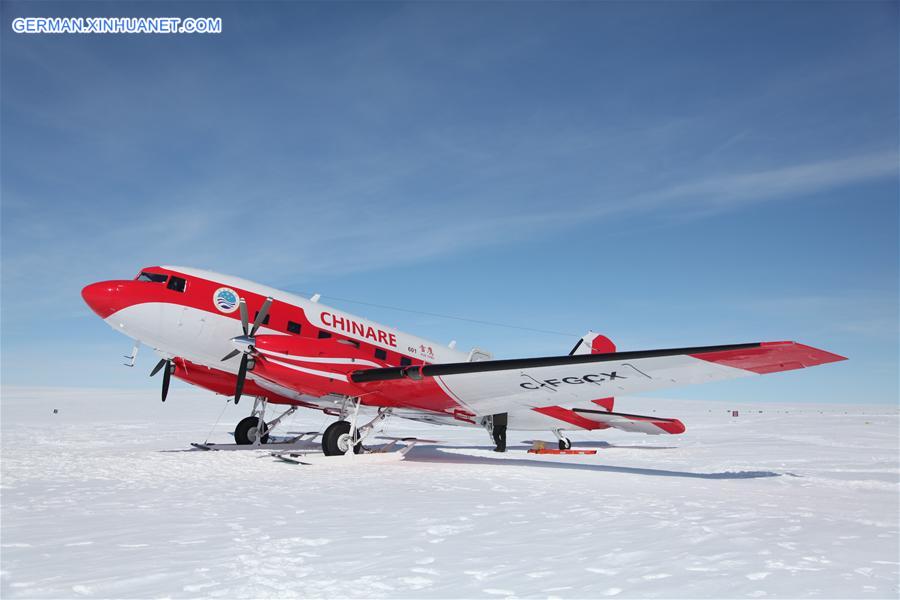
pixel 154 277
pixel 176 283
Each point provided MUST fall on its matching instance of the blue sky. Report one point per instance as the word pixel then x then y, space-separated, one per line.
pixel 669 174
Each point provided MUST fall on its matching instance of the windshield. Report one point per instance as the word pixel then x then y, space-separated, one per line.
pixel 154 277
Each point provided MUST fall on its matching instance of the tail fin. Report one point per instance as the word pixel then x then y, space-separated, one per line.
pixel 606 403
pixel 594 343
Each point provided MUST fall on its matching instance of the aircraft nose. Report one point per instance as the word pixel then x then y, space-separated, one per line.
pixel 104 297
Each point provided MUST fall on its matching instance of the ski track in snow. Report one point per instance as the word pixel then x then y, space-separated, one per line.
pixel 95 503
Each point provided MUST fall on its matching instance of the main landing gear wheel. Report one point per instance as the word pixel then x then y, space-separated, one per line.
pixel 247 430
pixel 336 439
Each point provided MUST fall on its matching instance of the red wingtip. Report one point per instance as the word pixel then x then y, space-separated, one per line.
pixel 772 357
pixel 673 426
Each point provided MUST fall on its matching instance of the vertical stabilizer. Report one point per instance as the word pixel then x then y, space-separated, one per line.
pixel 593 343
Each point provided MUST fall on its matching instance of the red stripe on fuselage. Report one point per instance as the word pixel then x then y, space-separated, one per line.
pixel 108 297
pixel 198 294
pixel 222 382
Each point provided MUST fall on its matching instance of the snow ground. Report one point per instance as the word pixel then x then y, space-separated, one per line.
pixel 98 501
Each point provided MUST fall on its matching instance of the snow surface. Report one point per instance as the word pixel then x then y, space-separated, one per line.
pixel 99 500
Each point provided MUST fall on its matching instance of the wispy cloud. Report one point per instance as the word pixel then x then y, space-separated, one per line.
pixel 870 314
pixel 395 235
pixel 735 190
pixel 295 239
pixel 715 194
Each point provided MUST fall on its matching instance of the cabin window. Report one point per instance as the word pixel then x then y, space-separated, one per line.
pixel 353 343
pixel 380 354
pixel 405 361
pixel 154 277
pixel 293 327
pixel 176 283
pixel 323 335
pixel 265 321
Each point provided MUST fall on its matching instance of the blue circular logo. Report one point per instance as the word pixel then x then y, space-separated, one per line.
pixel 225 299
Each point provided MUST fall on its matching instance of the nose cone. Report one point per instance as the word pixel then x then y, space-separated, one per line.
pixel 104 297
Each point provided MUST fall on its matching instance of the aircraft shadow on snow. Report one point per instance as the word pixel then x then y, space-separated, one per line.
pixel 435 454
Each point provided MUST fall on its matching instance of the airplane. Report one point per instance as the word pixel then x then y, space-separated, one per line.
pixel 298 352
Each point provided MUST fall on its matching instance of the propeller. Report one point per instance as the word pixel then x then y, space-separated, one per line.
pixel 244 343
pixel 167 374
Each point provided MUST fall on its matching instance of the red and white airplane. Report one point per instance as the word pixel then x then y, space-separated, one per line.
pixel 298 352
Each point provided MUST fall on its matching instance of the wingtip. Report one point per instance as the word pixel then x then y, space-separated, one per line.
pixel 672 426
pixel 773 357
pixel 818 356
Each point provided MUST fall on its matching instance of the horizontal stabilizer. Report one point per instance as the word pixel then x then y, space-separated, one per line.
pixel 591 419
pixel 633 423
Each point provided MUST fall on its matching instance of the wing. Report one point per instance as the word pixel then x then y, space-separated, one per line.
pixel 494 386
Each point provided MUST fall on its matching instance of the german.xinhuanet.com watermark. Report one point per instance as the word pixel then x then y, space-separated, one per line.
pixel 117 25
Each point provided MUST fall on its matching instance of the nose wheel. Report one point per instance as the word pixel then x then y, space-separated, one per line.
pixel 255 429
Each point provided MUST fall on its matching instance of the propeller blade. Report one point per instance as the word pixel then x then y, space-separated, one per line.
pixel 242 375
pixel 167 376
pixel 231 355
pixel 245 319
pixel 158 366
pixel 261 316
